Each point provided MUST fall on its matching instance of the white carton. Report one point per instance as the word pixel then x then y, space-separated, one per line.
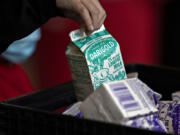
pixel 117 101
pixel 169 113
pixel 150 122
pixel 165 114
pixel 93 60
pixel 73 110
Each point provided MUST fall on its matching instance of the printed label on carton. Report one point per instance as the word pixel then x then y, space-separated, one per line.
pixel 102 54
pixel 132 97
pixel 176 112
pixel 137 84
pixel 150 122
pixel 169 113
pixel 166 114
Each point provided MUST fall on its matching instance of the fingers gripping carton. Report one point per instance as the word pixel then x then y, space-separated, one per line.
pixel 93 60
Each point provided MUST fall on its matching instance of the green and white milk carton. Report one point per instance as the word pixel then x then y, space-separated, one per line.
pixel 93 60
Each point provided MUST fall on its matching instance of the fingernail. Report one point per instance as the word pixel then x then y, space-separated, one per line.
pixel 91 28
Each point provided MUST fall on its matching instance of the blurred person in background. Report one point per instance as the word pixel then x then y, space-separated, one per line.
pixel 22 49
pixel 13 80
pixel 25 16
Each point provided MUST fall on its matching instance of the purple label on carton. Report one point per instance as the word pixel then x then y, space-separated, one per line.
pixel 169 113
pixel 151 94
pixel 176 118
pixel 132 97
pixel 144 91
pixel 125 97
pixel 165 114
pixel 150 122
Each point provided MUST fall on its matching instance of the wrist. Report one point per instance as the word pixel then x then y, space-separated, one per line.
pixel 59 9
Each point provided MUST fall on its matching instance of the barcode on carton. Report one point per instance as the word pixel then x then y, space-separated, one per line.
pixel 125 97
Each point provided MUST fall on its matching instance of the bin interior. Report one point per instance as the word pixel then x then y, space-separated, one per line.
pixel 30 114
pixel 163 80
pixel 49 99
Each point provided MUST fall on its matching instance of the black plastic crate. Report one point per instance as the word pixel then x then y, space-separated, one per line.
pixel 48 99
pixel 33 114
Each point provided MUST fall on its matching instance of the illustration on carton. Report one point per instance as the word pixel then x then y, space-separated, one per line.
pixel 93 60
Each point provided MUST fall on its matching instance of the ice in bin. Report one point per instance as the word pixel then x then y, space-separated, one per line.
pixel 126 102
pixel 93 60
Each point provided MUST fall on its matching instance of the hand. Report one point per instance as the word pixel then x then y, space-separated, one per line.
pixel 89 13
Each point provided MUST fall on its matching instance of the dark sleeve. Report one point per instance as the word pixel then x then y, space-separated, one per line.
pixel 18 18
